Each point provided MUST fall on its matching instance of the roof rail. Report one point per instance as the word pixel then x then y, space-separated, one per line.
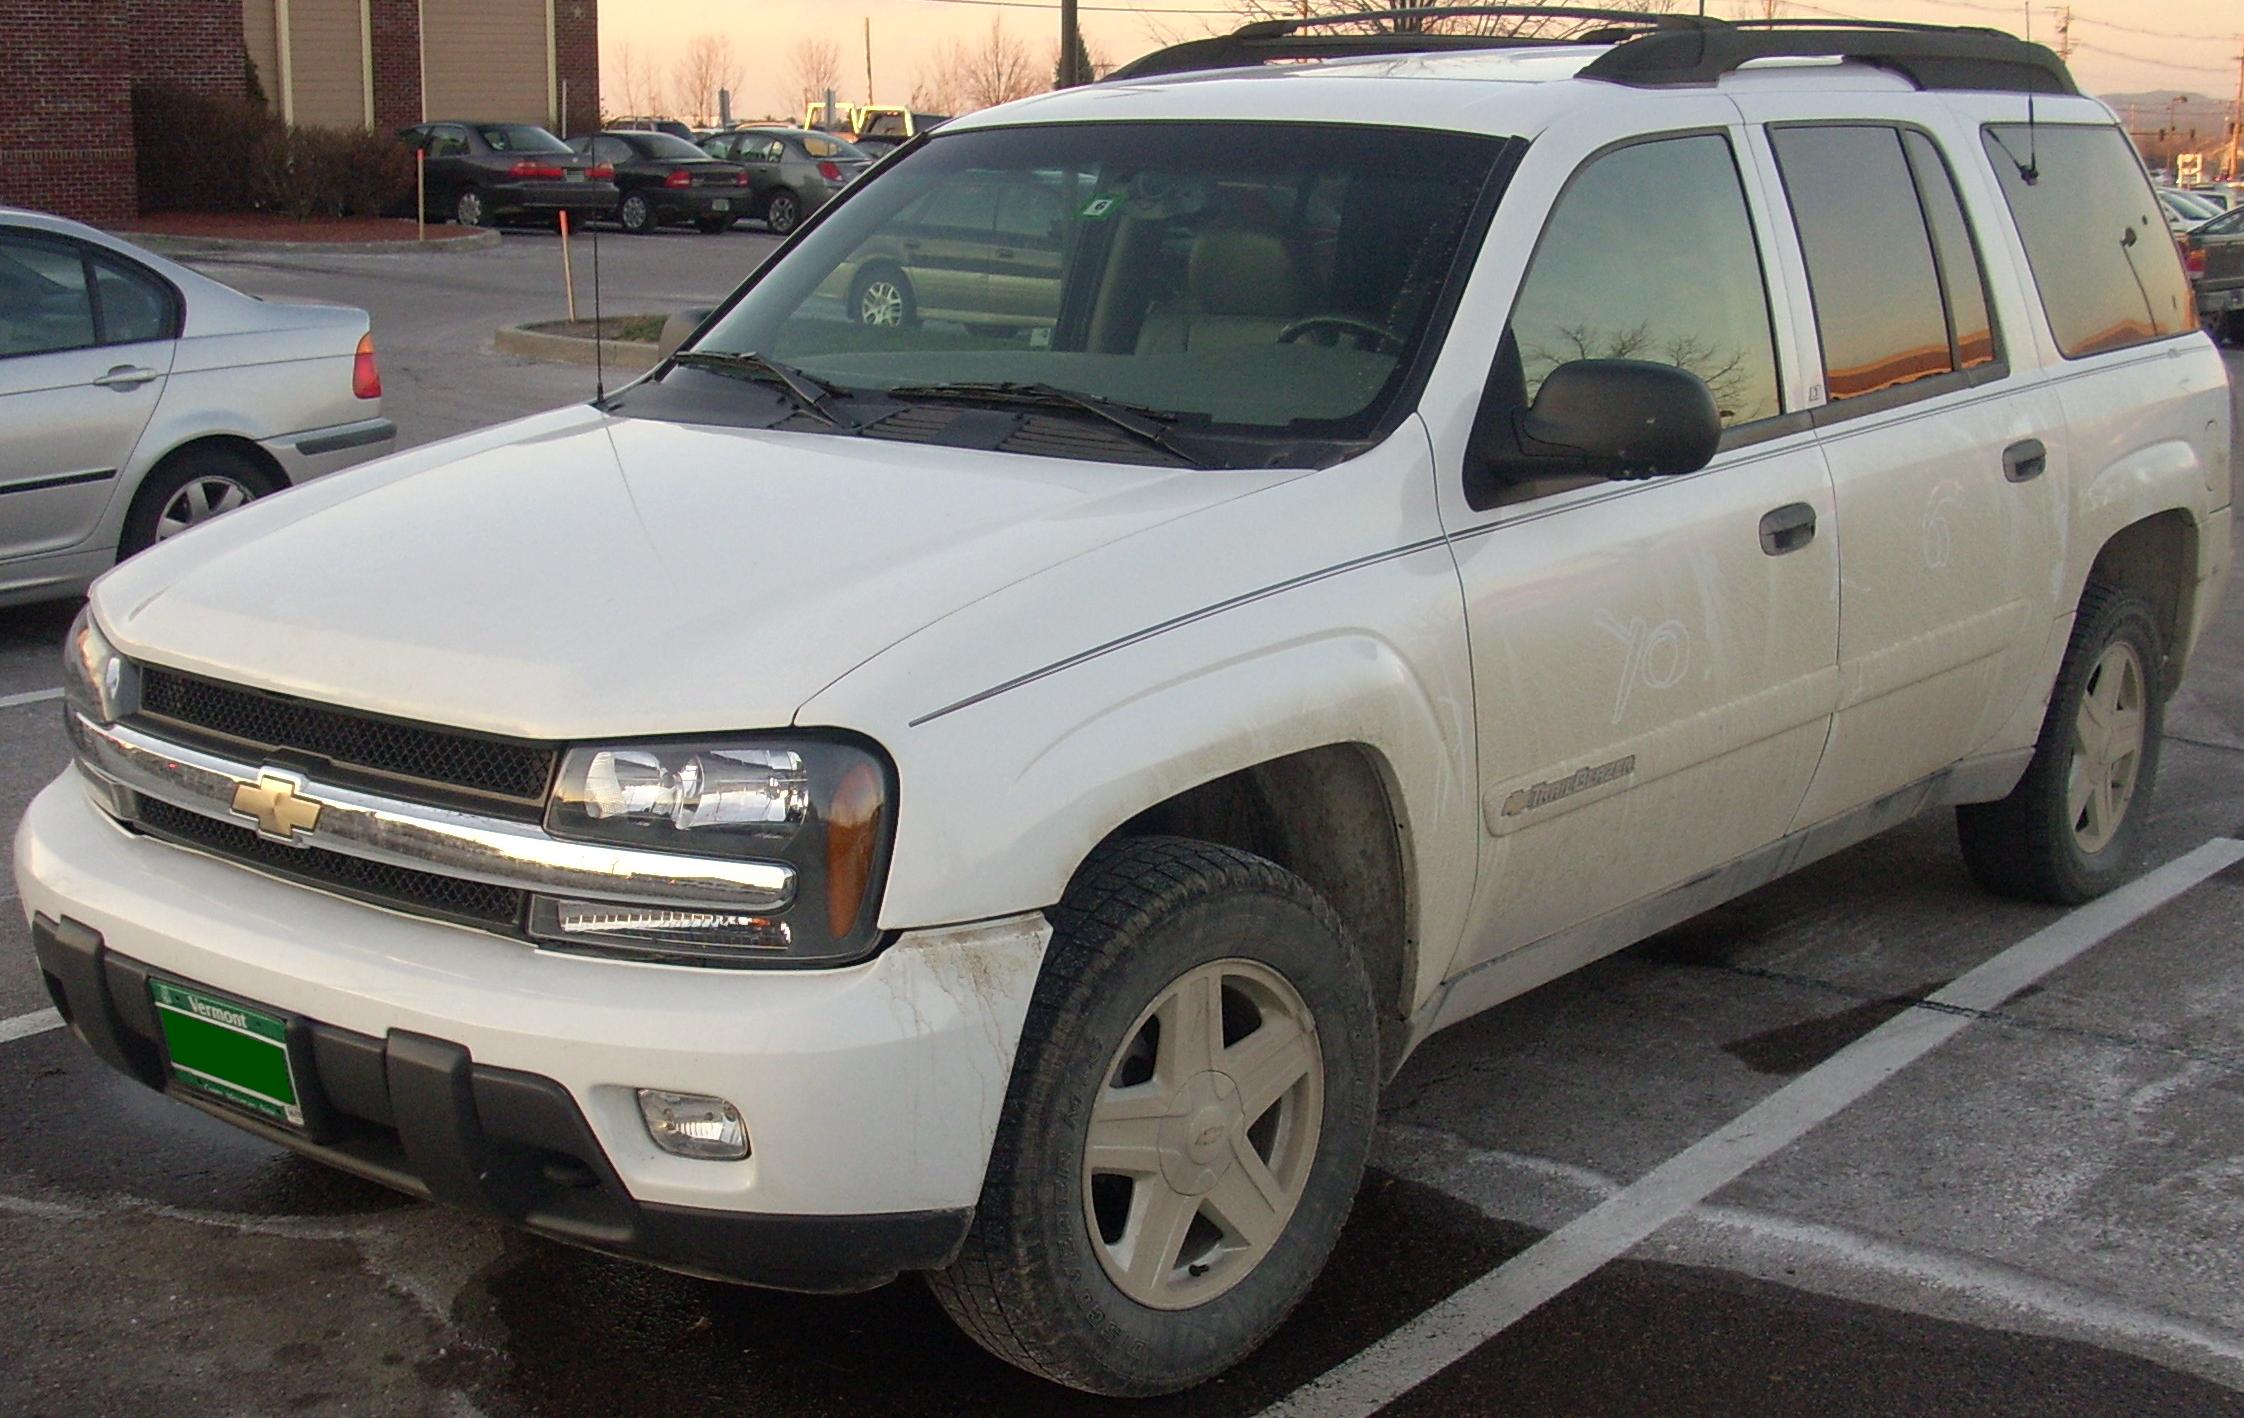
pixel 1648 50
pixel 1929 56
pixel 1266 40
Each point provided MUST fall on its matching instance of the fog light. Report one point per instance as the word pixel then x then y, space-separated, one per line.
pixel 694 1125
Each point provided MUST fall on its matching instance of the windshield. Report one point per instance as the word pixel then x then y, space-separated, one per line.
pixel 663 146
pixel 1263 281
pixel 521 138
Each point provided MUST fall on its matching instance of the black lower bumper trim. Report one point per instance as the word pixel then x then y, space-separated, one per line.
pixel 417 1113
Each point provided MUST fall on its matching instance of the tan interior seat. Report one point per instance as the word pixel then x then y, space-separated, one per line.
pixel 1241 288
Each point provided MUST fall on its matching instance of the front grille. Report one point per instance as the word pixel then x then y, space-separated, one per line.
pixel 423 892
pixel 508 769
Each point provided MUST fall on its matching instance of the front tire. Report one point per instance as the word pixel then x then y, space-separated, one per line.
pixel 1187 1124
pixel 2069 831
pixel 882 297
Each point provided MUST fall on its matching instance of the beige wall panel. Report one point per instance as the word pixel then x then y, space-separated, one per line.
pixel 261 38
pixel 327 62
pixel 485 59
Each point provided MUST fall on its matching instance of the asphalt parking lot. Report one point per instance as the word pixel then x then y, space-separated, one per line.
pixel 1796 1156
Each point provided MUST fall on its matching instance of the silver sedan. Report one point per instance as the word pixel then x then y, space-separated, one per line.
pixel 139 399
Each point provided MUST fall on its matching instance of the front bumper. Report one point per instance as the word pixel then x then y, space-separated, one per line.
pixel 454 1058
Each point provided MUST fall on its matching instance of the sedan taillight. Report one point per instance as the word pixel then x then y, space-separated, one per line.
pixel 601 172
pixel 679 177
pixel 2193 256
pixel 740 178
pixel 536 171
pixel 366 375
pixel 830 170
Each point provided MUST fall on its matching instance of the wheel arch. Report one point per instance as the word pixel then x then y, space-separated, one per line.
pixel 2156 557
pixel 1332 816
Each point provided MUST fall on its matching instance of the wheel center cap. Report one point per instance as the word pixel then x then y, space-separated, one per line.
pixel 1204 1116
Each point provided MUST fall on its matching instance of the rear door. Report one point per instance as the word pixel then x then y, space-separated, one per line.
pixel 86 344
pixel 1025 264
pixel 1946 457
pixel 949 247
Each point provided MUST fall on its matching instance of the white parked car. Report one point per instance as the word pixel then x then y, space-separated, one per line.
pixel 999 798
pixel 139 398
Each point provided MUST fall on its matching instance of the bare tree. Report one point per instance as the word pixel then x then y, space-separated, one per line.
pixel 1531 26
pixel 707 66
pixel 637 88
pixel 815 65
pixel 997 70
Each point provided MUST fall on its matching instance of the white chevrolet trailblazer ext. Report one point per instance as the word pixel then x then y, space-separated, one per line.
pixel 1156 601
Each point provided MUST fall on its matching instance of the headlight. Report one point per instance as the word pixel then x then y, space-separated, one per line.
pixel 96 680
pixel 821 806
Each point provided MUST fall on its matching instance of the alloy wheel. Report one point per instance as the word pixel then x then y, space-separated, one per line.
pixel 2107 751
pixel 1202 1135
pixel 634 215
pixel 881 304
pixel 198 502
pixel 469 209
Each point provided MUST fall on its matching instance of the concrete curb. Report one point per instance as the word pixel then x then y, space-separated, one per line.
pixel 626 356
pixel 169 244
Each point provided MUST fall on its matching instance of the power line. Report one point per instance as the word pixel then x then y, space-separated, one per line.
pixel 1109 9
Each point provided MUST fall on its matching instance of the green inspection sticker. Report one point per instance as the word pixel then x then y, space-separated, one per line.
pixel 228 1051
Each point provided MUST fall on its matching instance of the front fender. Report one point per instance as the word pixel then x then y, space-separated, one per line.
pixel 1003 791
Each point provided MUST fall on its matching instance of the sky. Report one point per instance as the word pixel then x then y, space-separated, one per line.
pixel 2121 46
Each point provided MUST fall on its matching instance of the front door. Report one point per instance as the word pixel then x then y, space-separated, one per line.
pixel 1654 662
pixel 85 347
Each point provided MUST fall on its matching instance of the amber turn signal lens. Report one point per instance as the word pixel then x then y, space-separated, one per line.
pixel 853 828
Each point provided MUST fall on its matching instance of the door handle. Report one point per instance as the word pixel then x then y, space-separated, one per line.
pixel 1787 528
pixel 2024 460
pixel 1005 253
pixel 126 376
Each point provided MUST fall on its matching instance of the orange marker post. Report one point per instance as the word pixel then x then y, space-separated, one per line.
pixel 568 277
pixel 420 194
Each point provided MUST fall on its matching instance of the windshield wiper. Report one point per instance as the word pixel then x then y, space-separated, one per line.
pixel 1147 425
pixel 811 394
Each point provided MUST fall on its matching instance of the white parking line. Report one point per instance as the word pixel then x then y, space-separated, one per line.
pixel 36 696
pixel 23 1026
pixel 1486 1307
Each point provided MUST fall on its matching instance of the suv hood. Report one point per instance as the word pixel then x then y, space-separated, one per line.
pixel 577 575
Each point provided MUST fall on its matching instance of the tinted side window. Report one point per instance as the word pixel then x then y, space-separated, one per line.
pixel 1878 304
pixel 1650 254
pixel 1962 280
pixel 44 303
pixel 133 305
pixel 2098 245
pixel 448 143
pixel 1030 213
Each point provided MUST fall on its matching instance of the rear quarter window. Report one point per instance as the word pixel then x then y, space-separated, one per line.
pixel 2099 247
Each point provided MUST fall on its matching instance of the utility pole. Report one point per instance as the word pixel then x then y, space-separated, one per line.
pixel 2236 112
pixel 1071 40
pixel 2065 33
pixel 869 100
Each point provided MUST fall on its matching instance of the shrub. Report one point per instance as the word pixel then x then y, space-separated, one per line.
pixel 330 172
pixel 202 154
pixel 193 152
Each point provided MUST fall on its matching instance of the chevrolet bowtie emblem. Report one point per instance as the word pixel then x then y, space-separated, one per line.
pixel 271 802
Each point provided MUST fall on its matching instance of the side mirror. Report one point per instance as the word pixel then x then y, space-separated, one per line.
pixel 680 327
pixel 1610 418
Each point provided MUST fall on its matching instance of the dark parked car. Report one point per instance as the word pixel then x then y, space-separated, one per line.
pixel 481 174
pixel 2214 253
pixel 650 124
pixel 881 129
pixel 663 180
pixel 792 172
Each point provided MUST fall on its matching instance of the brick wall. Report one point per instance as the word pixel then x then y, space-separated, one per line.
pixel 576 59
pixel 66 74
pixel 65 118
pixel 397 62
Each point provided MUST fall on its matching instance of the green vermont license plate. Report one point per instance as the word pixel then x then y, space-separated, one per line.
pixel 228 1051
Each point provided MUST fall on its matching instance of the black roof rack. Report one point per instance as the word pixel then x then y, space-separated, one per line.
pixel 1647 50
